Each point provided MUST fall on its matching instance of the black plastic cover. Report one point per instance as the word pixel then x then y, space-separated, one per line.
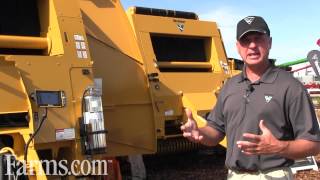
pixel 165 13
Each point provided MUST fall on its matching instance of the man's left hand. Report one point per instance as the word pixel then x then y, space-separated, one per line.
pixel 265 143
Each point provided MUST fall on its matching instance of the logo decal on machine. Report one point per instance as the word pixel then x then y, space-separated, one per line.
pixel 180 26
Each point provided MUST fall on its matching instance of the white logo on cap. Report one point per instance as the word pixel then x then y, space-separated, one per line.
pixel 249 19
pixel 315 57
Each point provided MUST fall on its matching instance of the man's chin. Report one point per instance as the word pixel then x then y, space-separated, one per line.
pixel 253 62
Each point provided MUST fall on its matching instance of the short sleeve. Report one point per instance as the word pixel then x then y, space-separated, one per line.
pixel 216 118
pixel 303 118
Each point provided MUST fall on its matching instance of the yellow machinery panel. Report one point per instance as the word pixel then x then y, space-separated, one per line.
pixel 138 110
pixel 83 80
pixel 46 73
pixel 185 61
pixel 12 92
pixel 127 103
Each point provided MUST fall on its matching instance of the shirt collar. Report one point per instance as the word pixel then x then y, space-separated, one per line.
pixel 268 77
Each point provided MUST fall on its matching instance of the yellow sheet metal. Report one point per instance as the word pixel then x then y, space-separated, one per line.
pixel 199 104
pixel 12 94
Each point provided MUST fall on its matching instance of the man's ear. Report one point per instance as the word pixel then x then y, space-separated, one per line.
pixel 270 43
pixel 238 46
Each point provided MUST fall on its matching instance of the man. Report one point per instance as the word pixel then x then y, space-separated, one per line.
pixel 264 112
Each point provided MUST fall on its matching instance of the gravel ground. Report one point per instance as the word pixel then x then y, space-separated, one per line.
pixel 309 174
pixel 201 165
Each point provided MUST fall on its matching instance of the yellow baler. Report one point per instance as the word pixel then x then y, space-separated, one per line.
pixel 144 98
pixel 47 87
pixel 185 62
pixel 58 57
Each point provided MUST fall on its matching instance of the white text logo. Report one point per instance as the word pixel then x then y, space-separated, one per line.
pixel 17 169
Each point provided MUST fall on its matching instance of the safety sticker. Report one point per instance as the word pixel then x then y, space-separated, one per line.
pixel 84 54
pixel 83 45
pixel 79 54
pixel 169 112
pixel 65 134
pixel 78 37
pixel 80 46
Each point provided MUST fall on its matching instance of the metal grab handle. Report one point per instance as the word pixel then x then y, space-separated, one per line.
pixel 24 42
pixel 174 64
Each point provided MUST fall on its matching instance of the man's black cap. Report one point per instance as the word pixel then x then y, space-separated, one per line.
pixel 252 24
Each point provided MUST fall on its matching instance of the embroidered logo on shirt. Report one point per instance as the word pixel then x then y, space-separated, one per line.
pixel 315 57
pixel 268 98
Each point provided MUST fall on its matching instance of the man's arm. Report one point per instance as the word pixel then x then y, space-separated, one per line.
pixel 300 148
pixel 205 135
pixel 266 143
pixel 211 136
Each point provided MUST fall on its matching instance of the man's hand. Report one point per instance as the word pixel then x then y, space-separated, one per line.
pixel 265 143
pixel 190 128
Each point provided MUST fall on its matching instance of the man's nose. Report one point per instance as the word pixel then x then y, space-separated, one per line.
pixel 252 44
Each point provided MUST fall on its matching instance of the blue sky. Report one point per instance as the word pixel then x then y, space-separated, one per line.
pixel 294 24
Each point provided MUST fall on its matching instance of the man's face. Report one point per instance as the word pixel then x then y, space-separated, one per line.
pixel 254 48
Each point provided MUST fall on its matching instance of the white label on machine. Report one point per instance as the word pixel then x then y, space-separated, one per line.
pixel 169 112
pixel 65 134
pixel 78 37
pixel 94 104
pixel 78 45
pixel 83 45
pixel 79 54
pixel 90 117
pixel 84 54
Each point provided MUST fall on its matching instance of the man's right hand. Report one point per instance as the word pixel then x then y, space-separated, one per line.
pixel 190 128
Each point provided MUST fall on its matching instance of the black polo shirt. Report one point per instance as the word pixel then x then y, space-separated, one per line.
pixel 278 99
